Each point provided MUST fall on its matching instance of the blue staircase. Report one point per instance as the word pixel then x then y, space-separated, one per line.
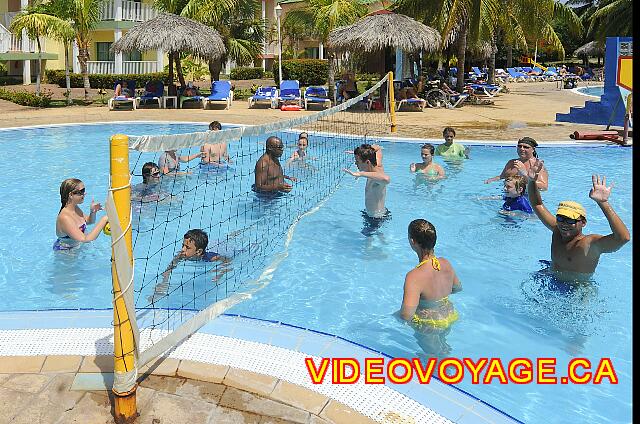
pixel 610 109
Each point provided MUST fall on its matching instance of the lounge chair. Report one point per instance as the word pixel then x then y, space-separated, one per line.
pixel 477 73
pixel 503 75
pixel 420 103
pixel 220 92
pixel 124 99
pixel 517 76
pixel 339 98
pixel 264 94
pixel 153 91
pixel 316 95
pixel 183 98
pixel 289 91
pixel 485 89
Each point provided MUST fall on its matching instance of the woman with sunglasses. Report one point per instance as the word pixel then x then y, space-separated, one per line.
pixel 71 223
pixel 527 155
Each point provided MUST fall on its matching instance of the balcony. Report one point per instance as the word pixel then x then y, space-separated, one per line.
pixel 128 67
pixel 132 11
pixel 13 43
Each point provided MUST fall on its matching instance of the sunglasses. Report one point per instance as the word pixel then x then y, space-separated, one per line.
pixel 524 146
pixel 155 174
pixel 80 192
pixel 566 220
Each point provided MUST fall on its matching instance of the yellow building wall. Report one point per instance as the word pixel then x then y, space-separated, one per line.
pixel 57 47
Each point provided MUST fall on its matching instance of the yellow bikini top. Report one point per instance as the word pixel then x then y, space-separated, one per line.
pixel 435 263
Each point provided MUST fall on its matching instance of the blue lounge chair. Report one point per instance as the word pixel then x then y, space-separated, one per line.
pixel 290 91
pixel 477 73
pixel 485 89
pixel 153 91
pixel 124 99
pixel 518 76
pixel 220 92
pixel 419 103
pixel 551 72
pixel 316 95
pixel 264 94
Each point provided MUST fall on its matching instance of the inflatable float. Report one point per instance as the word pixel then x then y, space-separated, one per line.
pixel 597 135
pixel 290 107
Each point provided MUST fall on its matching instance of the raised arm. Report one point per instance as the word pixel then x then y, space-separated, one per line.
pixel 535 198
pixel 378 177
pixel 619 232
pixel 191 157
pixel 502 175
pixel 95 207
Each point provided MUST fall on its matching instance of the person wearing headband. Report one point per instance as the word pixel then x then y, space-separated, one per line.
pixel 526 155
pixel 572 251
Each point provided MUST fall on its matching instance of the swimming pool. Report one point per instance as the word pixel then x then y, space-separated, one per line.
pixel 340 282
pixel 594 91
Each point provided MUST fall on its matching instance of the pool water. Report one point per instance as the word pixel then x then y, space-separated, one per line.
pixel 338 281
pixel 595 91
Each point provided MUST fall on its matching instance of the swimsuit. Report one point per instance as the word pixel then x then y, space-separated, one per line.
pixel 172 164
pixel 520 203
pixel 442 315
pixel 373 223
pixel 66 242
pixel 432 173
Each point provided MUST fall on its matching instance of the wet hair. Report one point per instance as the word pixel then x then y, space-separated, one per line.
pixel 199 238
pixel 303 135
pixel 428 146
pixel 531 142
pixel 215 126
pixel 366 153
pixel 520 182
pixel 66 188
pixel 449 129
pixel 423 233
pixel 146 171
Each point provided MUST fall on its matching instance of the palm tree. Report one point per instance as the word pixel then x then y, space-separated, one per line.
pixel 83 15
pixel 323 16
pixel 610 18
pixel 38 25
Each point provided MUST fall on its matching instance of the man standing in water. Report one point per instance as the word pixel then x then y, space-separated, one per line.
pixel 375 190
pixel 572 251
pixel 268 171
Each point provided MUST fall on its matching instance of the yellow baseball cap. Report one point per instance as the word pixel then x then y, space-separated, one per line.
pixel 573 210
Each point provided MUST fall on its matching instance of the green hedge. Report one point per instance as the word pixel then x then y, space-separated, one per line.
pixel 106 81
pixel 307 71
pixel 25 98
pixel 246 73
pixel 10 80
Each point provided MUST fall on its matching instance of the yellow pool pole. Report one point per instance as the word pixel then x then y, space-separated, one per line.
pixel 392 101
pixel 123 340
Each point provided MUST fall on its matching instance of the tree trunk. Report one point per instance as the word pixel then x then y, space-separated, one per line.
pixel 331 77
pixel 462 49
pixel 491 70
pixel 509 57
pixel 170 90
pixel 215 68
pixel 39 66
pixel 83 57
pixel 66 72
pixel 179 70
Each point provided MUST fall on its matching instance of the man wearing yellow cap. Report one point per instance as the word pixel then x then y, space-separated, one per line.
pixel 571 250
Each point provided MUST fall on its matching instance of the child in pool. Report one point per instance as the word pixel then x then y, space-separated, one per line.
pixel 300 154
pixel 194 246
pixel 515 198
pixel 428 167
pixel 427 287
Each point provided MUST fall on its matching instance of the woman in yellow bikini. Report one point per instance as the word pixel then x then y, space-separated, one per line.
pixel 427 287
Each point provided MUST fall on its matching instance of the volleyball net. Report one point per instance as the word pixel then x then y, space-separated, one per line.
pixel 166 285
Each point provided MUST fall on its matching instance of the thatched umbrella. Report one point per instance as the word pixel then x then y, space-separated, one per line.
pixel 382 29
pixel 172 34
pixel 592 48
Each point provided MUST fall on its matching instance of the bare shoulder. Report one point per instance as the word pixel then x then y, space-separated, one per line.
pixel 445 265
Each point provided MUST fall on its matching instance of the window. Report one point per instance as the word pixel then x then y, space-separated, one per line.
pixel 134 56
pixel 103 54
pixel 312 52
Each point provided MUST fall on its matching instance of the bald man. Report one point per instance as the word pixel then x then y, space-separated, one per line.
pixel 268 171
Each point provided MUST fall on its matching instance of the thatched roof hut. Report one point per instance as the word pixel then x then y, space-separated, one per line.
pixel 383 29
pixel 172 33
pixel 591 49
